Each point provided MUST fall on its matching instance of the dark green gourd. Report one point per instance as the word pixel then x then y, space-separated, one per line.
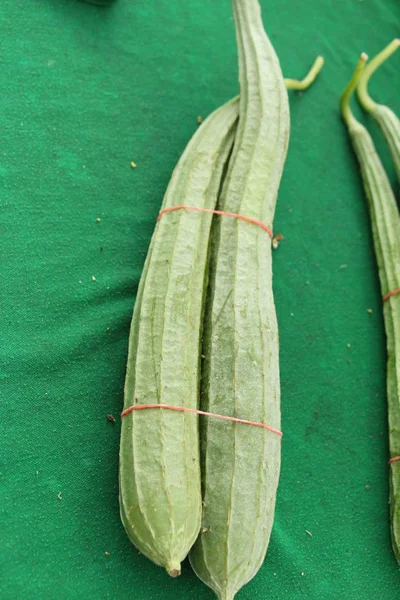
pixel 385 222
pixel 383 115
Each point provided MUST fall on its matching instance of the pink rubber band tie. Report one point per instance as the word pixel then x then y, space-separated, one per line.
pixel 394 459
pixel 218 212
pixel 135 407
pixel 390 294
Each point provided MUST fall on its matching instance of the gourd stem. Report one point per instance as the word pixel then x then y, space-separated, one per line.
pixel 345 109
pixel 303 84
pixel 362 89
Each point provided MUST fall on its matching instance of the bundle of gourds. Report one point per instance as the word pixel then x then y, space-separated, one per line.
pixel 204 337
pixel 201 441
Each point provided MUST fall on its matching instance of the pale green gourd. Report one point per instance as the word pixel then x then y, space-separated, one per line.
pixel 386 119
pixel 240 463
pixel 159 470
pixel 160 496
pixel 385 221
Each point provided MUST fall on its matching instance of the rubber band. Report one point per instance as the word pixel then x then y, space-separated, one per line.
pixel 200 412
pixel 390 294
pixel 218 212
pixel 394 459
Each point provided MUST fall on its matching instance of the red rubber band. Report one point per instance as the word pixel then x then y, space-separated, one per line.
pixel 394 459
pixel 390 294
pixel 199 412
pixel 193 410
pixel 218 212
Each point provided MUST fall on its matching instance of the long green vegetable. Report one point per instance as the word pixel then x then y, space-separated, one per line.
pixel 385 221
pixel 386 119
pixel 159 458
pixel 159 470
pixel 240 464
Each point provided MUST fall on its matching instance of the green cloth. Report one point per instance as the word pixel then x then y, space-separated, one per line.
pixel 85 91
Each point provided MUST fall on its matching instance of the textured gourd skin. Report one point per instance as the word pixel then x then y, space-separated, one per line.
pixel 240 464
pixel 160 495
pixel 385 221
pixel 390 126
pixel 385 118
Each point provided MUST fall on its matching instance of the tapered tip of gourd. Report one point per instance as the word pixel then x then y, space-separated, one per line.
pixel 226 595
pixel 396 551
pixel 174 569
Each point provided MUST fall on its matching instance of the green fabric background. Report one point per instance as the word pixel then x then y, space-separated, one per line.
pixel 84 91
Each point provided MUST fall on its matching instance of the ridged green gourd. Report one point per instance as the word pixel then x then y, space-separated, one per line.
pixel 241 463
pixel 160 496
pixel 385 221
pixel 383 115
pixel 162 530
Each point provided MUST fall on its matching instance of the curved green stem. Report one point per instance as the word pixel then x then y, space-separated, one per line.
pixel 303 84
pixel 362 89
pixel 345 109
